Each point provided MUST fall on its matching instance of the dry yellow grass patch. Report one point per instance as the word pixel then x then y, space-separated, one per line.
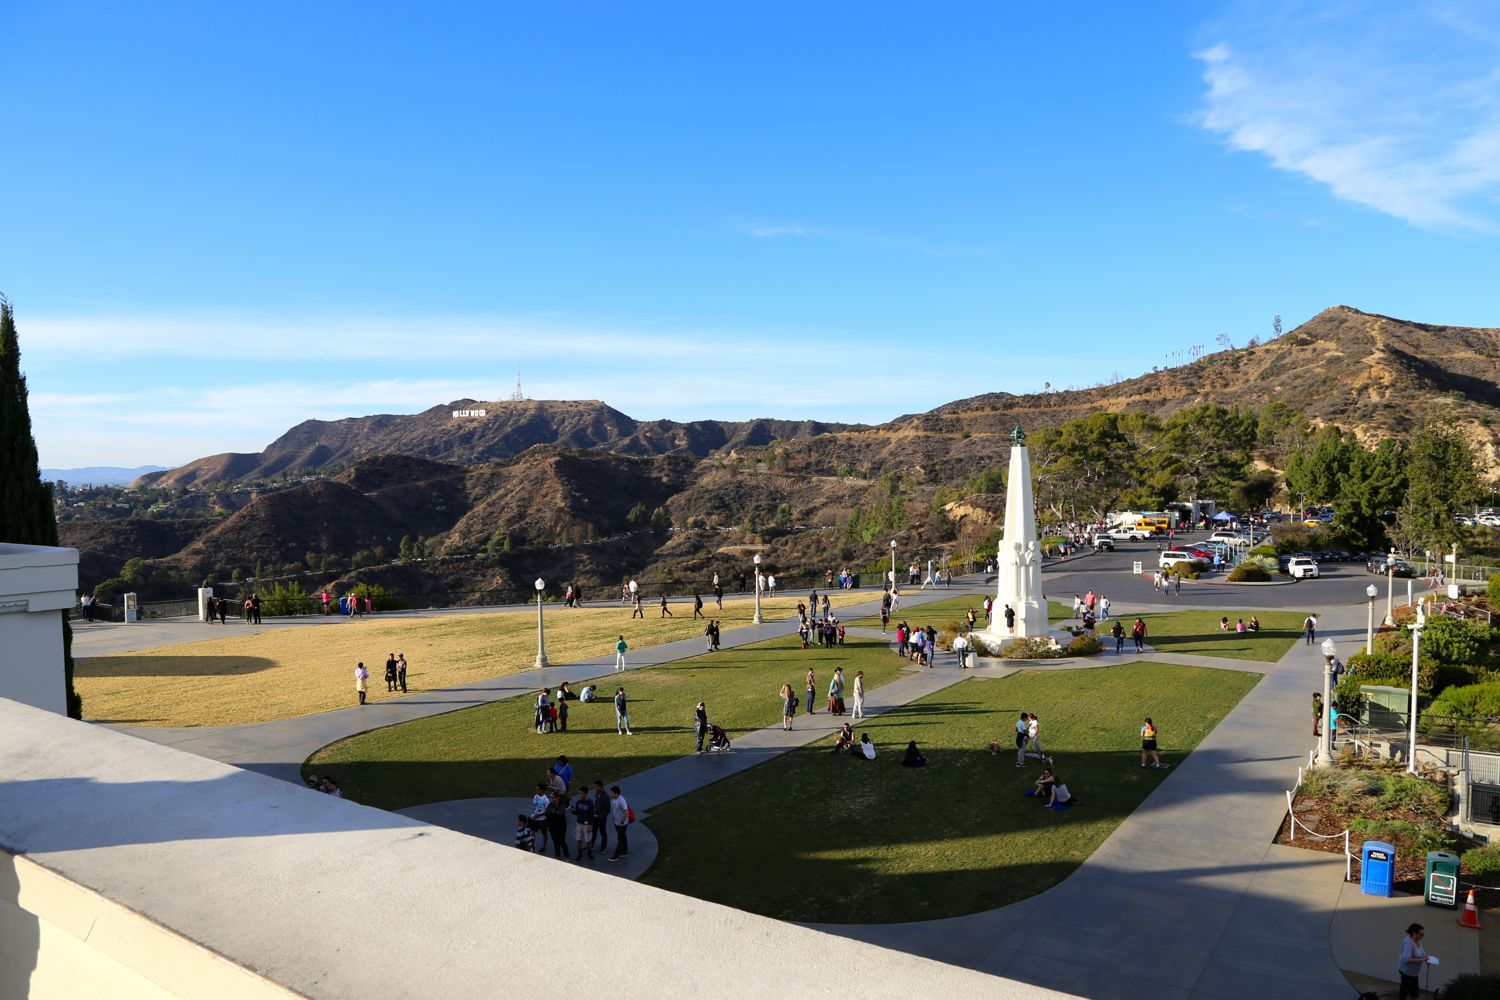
pixel 286 672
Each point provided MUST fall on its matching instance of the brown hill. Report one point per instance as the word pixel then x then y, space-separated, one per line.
pixel 506 430
pixel 1370 374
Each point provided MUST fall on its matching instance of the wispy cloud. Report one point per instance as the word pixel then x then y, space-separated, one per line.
pixel 878 241
pixel 1394 107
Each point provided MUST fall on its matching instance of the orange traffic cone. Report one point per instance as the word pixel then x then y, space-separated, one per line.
pixel 1470 916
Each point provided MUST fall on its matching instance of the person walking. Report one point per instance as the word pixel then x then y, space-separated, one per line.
pixel 1118 631
pixel 665 611
pixel 698 607
pixel 620 648
pixel 858 704
pixel 1317 712
pixel 700 726
pixel 401 671
pixel 788 707
pixel 1103 608
pixel 1023 727
pixel 961 648
pixel 1148 744
pixel 1138 633
pixel 601 818
pixel 1310 629
pixel 1034 739
pixel 622 714
pixel 1413 957
pixel 1176 584
pixel 620 816
pixel 361 675
pixel 812 690
pixel 635 606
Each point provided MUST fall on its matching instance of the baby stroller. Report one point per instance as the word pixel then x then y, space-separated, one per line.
pixel 718 740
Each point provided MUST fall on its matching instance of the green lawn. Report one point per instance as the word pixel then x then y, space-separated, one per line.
pixel 1198 632
pixel 815 837
pixel 494 750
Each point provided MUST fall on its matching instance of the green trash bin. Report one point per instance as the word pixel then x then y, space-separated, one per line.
pixel 1440 883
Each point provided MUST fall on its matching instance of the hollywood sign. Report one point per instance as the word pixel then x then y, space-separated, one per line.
pixel 469 413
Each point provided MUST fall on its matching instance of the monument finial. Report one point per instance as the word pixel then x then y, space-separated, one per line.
pixel 1018 435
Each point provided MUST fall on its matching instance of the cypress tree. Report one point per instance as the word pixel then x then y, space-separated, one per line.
pixel 26 513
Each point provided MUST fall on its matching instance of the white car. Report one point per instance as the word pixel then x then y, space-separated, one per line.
pixel 1227 537
pixel 1172 557
pixel 1128 534
pixel 1302 569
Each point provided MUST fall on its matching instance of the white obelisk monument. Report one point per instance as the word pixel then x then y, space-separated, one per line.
pixel 1018 585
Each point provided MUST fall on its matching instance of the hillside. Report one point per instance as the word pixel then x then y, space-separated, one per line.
pixel 1371 374
pixel 570 490
pixel 506 430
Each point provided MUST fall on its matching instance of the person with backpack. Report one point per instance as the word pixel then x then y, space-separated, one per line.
pixel 1148 744
pixel 788 706
pixel 621 815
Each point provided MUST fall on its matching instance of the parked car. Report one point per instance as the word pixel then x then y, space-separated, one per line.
pixel 1227 537
pixel 1128 534
pixel 1301 568
pixel 1172 557
pixel 1377 565
pixel 1103 543
pixel 1199 552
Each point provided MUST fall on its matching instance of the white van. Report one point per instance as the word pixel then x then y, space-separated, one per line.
pixel 1227 537
pixel 1172 557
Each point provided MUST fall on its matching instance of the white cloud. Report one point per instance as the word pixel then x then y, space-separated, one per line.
pixel 1394 107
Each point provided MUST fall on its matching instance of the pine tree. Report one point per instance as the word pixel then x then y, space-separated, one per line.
pixel 26 513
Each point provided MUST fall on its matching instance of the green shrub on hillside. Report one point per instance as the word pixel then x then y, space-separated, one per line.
pixel 1085 645
pixel 1494 590
pixel 1455 641
pixel 1249 572
pixel 1483 860
pixel 1471 701
pixel 1267 551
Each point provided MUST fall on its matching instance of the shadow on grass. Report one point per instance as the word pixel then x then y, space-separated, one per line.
pixel 171 666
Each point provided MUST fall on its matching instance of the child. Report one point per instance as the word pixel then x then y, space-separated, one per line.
pixel 583 817
pixel 525 839
pixel 539 803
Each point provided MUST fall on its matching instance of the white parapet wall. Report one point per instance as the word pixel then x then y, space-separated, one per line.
pixel 132 870
pixel 37 583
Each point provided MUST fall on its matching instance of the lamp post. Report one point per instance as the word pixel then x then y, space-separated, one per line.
pixel 1370 592
pixel 1411 745
pixel 1390 584
pixel 1325 742
pixel 893 565
pixel 757 619
pixel 541 645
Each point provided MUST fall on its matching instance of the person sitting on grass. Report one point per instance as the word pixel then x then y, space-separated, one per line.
pixel 845 740
pixel 1239 625
pixel 1254 625
pixel 1043 786
pixel 913 756
pixel 1224 624
pixel 1060 798
pixel 865 750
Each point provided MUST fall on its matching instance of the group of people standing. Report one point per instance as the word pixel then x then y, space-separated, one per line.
pixel 593 815
pixel 836 688
pixel 395 676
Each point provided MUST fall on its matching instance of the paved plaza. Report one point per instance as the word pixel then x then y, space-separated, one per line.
pixel 1188 897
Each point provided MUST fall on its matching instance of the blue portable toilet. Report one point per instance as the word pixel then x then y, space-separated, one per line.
pixel 343 605
pixel 1377 868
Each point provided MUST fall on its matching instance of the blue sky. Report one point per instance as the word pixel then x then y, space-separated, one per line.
pixel 221 219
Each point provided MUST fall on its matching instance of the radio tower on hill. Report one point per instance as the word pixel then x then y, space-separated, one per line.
pixel 517 396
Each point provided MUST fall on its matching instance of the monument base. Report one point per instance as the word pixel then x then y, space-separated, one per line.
pixel 989 643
